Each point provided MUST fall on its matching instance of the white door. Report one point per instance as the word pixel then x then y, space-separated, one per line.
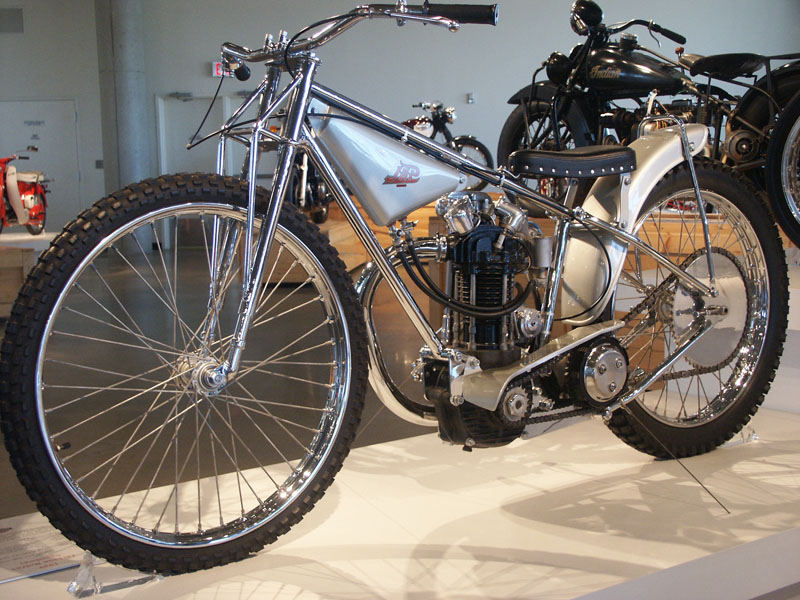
pixel 52 126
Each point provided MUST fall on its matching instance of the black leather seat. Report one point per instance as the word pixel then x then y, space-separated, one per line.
pixel 587 161
pixel 726 66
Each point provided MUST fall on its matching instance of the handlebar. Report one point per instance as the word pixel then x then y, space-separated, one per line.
pixel 475 14
pixel 427 105
pixel 618 27
pixel 446 15
pixel 675 37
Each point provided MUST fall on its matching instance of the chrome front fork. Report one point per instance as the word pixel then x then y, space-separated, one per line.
pixel 255 258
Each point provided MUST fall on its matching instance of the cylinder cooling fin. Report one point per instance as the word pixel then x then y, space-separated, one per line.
pixel 483 276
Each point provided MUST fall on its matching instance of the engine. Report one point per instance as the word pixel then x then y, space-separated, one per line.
pixel 625 123
pixel 496 262
pixel 493 256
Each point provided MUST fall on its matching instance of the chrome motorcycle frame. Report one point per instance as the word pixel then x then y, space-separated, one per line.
pixel 611 209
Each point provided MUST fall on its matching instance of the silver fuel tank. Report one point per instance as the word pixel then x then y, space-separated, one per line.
pixel 387 177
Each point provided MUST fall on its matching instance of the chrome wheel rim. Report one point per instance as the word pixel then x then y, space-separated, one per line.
pixel 790 171
pixel 694 391
pixel 137 438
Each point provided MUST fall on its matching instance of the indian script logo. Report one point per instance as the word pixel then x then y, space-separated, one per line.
pixel 404 175
pixel 599 72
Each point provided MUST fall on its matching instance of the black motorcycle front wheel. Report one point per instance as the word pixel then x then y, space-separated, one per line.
pixel 783 170
pixel 111 413
pixel 478 152
pixel 531 126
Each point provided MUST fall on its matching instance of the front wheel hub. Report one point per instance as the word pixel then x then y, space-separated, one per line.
pixel 209 378
pixel 203 375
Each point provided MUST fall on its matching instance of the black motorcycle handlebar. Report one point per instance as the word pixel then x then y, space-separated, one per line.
pixel 675 37
pixel 477 14
pixel 618 27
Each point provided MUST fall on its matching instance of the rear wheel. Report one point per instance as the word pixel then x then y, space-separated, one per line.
pixel 783 170
pixel 112 415
pixel 714 389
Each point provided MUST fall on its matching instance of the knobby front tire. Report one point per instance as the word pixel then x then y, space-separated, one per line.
pixel 107 410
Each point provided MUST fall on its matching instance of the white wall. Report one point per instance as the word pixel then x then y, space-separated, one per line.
pixel 389 68
pixel 377 63
pixel 56 58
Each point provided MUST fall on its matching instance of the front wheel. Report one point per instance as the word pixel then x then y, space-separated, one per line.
pixel 714 389
pixel 476 151
pixel 36 216
pixel 783 170
pixel 111 412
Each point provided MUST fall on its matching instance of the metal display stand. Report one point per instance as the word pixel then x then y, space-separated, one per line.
pixel 87 583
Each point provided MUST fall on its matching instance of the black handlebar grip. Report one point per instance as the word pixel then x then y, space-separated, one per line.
pixel 242 72
pixel 477 14
pixel 675 37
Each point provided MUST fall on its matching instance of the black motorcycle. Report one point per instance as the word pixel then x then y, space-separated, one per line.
pixel 580 103
pixel 783 169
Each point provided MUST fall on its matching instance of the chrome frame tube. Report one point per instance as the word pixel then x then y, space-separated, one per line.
pixel 373 247
pixel 687 154
pixel 686 278
pixel 659 370
pixel 554 280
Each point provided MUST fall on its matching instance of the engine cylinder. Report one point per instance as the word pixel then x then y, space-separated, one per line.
pixel 483 276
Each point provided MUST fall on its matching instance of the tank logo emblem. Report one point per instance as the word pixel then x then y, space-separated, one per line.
pixel 599 72
pixel 404 175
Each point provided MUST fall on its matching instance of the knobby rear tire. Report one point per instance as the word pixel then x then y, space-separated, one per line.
pixel 714 390
pixel 107 413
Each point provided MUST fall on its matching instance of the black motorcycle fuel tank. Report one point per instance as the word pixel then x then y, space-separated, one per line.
pixel 613 73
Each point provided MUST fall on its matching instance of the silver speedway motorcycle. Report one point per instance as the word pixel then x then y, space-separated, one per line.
pixel 184 370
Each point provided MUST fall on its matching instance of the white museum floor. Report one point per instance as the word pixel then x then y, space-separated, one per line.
pixel 572 513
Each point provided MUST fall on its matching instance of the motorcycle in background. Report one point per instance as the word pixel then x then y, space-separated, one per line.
pixel 464 144
pixel 24 195
pixel 783 169
pixel 578 104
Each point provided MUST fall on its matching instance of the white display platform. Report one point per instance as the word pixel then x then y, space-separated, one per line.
pixel 23 239
pixel 568 513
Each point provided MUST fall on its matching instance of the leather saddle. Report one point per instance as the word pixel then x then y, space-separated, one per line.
pixel 723 66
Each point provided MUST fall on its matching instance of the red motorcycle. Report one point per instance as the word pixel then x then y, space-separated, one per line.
pixel 24 195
